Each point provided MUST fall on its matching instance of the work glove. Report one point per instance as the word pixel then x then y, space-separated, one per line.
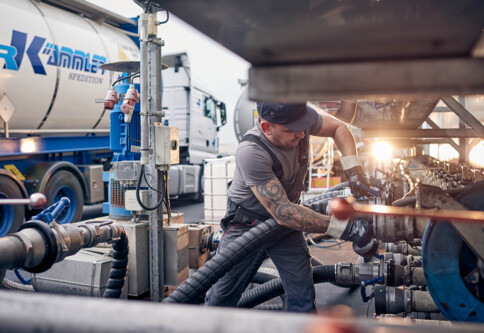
pixel 355 174
pixel 359 231
pixel 357 181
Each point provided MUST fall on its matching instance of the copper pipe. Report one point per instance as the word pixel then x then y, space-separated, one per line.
pixel 342 209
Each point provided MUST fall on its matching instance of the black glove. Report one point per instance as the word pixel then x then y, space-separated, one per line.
pixel 360 232
pixel 356 176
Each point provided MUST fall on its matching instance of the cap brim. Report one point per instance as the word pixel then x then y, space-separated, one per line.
pixel 305 122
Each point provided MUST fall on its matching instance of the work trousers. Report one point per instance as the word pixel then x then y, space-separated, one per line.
pixel 291 257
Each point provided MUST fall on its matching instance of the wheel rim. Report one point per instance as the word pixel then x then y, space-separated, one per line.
pixel 6 217
pixel 68 213
pixel 447 260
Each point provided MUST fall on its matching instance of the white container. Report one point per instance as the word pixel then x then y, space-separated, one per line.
pixel 218 172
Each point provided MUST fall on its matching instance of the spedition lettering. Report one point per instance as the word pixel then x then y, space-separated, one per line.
pixel 85 78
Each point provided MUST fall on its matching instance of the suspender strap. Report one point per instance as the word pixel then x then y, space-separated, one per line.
pixel 276 164
pixel 304 158
pixel 304 150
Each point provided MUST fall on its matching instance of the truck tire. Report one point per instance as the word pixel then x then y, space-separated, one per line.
pixel 11 216
pixel 64 184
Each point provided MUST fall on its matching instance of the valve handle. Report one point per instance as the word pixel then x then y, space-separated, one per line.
pixel 36 201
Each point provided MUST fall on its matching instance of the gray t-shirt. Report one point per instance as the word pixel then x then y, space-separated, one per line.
pixel 254 167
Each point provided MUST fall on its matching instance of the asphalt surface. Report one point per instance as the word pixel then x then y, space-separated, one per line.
pixel 192 211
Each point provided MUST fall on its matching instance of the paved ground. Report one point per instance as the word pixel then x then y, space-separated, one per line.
pixel 192 212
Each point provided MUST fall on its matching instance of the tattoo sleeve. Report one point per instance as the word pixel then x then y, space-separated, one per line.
pixel 274 198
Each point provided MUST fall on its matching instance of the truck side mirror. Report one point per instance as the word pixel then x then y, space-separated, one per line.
pixel 178 63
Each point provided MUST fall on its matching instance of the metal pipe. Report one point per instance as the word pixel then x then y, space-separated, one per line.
pixel 6 129
pixel 83 314
pixel 144 87
pixel 402 248
pixel 391 300
pixel 422 301
pixel 13 252
pixel 155 223
pixel 418 277
pixel 28 249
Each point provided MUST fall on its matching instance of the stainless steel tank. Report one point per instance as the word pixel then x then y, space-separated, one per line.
pixel 49 66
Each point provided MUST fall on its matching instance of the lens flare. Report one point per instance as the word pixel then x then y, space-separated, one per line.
pixel 476 155
pixel 28 145
pixel 383 151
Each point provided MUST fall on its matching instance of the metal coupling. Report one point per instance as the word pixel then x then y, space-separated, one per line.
pixel 392 300
pixel 349 274
pixel 38 245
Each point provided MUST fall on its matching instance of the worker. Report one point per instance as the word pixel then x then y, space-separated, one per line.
pixel 271 165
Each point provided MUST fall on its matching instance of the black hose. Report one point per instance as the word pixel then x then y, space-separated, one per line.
pixel 119 268
pixel 315 262
pixel 262 277
pixel 324 273
pixel 338 187
pixel 138 186
pixel 274 288
pixel 270 307
pixel 125 77
pixel 261 293
pixel 269 271
pixel 198 284
pixel 320 202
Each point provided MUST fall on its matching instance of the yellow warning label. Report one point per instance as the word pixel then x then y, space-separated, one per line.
pixel 121 54
pixel 13 169
pixel 256 116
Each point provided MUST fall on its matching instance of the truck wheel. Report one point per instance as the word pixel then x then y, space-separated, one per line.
pixel 65 184
pixel 11 216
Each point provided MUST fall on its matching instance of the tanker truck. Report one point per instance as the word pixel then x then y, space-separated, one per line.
pixel 54 137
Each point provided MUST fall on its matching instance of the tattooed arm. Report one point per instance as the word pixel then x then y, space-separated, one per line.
pixel 274 198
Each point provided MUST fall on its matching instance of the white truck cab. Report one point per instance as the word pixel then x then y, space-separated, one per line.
pixel 189 105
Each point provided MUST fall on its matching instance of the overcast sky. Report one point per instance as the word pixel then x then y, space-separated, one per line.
pixel 211 62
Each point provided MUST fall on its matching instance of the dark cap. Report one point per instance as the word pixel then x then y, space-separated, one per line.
pixel 296 117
